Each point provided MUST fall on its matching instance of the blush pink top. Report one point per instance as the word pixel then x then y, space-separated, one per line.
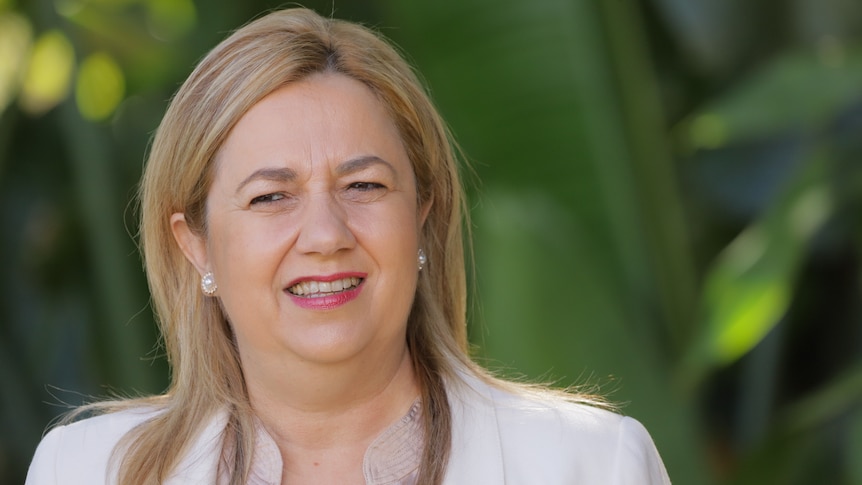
pixel 392 458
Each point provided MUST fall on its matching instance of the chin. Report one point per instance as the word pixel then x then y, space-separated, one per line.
pixel 327 345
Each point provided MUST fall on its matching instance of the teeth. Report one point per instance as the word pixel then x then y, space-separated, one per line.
pixel 322 288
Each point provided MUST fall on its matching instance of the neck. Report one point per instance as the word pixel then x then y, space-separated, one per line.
pixel 319 407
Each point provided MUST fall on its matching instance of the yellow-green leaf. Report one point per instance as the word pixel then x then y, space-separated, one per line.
pixel 100 87
pixel 749 288
pixel 46 82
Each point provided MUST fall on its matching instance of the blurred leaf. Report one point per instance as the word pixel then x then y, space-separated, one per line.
pixel 837 398
pixel 100 87
pixel 49 74
pixel 749 287
pixel 801 89
pixel 121 29
pixel 669 278
pixel 741 181
pixel 15 37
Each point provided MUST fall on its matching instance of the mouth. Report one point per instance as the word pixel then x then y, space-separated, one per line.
pixel 321 289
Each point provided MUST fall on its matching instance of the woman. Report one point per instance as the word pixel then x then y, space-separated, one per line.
pixel 301 227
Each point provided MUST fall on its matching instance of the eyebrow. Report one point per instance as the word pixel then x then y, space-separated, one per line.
pixel 281 174
pixel 360 163
pixel 284 174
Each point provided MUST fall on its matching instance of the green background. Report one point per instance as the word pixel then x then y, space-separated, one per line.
pixel 665 198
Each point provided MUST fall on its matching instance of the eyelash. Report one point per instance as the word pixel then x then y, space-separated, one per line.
pixel 365 186
pixel 267 198
pixel 276 196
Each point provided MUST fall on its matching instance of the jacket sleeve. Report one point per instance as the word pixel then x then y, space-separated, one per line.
pixel 637 459
pixel 43 468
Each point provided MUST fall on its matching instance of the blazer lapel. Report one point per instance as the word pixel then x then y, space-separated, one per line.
pixel 476 455
pixel 200 463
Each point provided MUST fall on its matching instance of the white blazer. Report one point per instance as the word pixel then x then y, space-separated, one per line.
pixel 497 438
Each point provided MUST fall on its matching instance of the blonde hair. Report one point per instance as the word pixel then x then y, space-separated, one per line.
pixel 280 48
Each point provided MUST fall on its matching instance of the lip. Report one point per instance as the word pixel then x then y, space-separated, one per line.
pixel 327 302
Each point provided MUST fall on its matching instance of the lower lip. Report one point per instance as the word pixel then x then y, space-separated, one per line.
pixel 327 302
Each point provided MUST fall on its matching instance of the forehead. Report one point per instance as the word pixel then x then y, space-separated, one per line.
pixel 322 120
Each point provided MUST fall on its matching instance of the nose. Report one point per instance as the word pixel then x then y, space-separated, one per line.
pixel 324 228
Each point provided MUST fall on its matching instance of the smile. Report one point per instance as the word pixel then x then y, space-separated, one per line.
pixel 320 289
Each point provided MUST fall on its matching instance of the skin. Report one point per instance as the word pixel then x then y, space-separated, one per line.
pixel 314 181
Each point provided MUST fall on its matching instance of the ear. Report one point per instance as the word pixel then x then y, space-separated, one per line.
pixel 193 245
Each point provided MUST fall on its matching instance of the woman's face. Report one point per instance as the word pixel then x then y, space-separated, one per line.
pixel 313 226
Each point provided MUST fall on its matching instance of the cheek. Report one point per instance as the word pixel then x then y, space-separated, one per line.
pixel 390 236
pixel 248 249
pixel 394 231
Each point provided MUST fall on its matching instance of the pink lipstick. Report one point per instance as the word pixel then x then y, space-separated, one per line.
pixel 325 292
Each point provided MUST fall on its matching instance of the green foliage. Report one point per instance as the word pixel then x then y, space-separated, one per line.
pixel 750 286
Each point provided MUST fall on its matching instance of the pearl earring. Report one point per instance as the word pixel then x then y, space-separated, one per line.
pixel 422 259
pixel 208 284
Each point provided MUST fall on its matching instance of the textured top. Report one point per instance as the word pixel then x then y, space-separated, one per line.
pixel 392 458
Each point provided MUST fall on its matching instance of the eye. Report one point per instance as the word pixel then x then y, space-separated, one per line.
pixel 266 199
pixel 365 191
pixel 365 186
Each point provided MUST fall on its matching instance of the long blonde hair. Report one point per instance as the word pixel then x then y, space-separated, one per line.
pixel 280 48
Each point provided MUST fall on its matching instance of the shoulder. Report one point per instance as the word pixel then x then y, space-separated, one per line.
pixel 532 413
pixel 550 431
pixel 80 452
pixel 547 438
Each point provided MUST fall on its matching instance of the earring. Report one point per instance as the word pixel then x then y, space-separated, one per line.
pixel 208 284
pixel 422 259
